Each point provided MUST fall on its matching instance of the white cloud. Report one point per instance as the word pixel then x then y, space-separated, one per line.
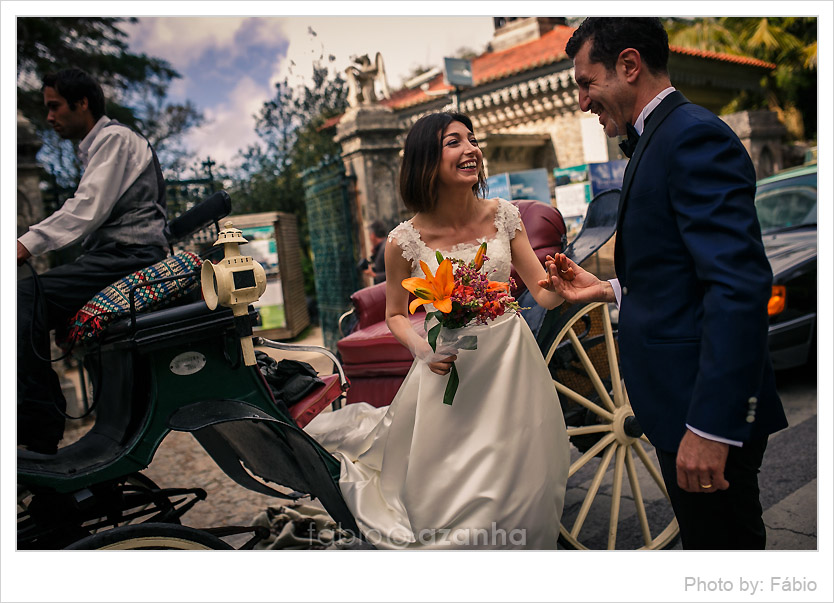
pixel 181 40
pixel 405 42
pixel 229 126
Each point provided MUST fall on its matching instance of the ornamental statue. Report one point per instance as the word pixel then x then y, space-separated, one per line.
pixel 362 80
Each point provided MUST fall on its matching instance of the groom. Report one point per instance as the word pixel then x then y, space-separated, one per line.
pixel 693 283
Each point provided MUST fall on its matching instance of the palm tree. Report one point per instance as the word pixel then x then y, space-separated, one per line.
pixel 789 42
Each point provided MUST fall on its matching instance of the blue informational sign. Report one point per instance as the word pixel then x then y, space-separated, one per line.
pixel 529 184
pixel 459 72
pixel 605 176
pixel 499 186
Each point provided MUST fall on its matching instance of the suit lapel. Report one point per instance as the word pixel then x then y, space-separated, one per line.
pixel 666 106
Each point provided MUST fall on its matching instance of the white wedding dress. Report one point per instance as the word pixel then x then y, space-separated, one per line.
pixel 490 470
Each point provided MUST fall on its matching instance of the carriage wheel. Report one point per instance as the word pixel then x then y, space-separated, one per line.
pixel 134 498
pixel 609 505
pixel 151 536
pixel 139 486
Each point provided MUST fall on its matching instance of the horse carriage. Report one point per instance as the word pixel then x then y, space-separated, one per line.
pixel 183 368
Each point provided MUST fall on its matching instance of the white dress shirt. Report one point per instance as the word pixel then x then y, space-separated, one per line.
pixel 113 158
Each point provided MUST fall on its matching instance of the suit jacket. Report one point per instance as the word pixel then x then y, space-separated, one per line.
pixel 378 257
pixel 695 282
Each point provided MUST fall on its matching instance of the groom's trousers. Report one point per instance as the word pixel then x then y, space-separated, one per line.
pixel 728 519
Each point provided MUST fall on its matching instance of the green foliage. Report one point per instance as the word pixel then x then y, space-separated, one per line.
pixel 291 140
pixel 134 85
pixel 788 42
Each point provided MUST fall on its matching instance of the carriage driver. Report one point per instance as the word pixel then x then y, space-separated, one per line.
pixel 117 212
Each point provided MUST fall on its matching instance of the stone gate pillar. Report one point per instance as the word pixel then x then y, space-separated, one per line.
pixel 762 134
pixel 30 208
pixel 368 135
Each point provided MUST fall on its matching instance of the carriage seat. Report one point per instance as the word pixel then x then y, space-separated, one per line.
pixel 375 362
pixel 113 302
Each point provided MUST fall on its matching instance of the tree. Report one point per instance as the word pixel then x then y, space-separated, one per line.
pixel 289 127
pixel 135 85
pixel 788 42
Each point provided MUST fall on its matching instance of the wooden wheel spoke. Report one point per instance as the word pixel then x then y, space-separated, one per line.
pixel 591 453
pixel 638 498
pixel 586 429
pixel 653 471
pixel 580 399
pixel 592 491
pixel 591 371
pixel 613 364
pixel 609 402
pixel 616 495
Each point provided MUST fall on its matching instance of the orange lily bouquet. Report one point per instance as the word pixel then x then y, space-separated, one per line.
pixel 462 296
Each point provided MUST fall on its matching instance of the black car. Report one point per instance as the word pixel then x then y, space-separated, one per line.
pixel 786 204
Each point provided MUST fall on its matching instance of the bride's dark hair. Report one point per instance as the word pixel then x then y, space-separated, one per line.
pixel 421 161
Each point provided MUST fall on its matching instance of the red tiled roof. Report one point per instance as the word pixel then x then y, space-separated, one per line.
pixel 491 66
pixel 720 56
pixel 548 49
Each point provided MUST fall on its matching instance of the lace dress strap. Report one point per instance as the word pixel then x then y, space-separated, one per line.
pixel 507 218
pixel 408 239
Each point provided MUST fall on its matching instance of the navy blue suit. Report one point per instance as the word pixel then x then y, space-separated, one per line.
pixel 695 283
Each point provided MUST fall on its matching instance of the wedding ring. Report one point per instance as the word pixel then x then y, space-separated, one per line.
pixel 707 487
pixel 563 271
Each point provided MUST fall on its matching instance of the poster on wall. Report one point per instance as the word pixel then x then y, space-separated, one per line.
pixel 527 184
pixel 499 186
pixel 262 247
pixel 577 185
pixel 573 191
pixel 606 176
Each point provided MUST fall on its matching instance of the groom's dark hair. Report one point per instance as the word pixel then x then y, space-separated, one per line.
pixel 609 36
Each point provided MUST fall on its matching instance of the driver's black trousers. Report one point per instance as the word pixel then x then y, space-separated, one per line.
pixel 47 303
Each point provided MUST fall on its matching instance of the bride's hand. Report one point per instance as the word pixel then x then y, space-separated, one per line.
pixel 560 265
pixel 442 367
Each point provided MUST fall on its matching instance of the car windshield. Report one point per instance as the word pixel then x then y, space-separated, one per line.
pixel 787 207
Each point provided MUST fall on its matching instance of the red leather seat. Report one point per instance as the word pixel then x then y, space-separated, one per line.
pixel 317 400
pixel 375 362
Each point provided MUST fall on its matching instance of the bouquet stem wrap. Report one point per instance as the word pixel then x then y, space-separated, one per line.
pixel 462 296
pixel 441 338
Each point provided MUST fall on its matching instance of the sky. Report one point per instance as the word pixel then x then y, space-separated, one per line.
pixel 229 65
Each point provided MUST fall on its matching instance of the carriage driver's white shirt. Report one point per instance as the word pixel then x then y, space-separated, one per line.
pixel 113 158
pixel 640 125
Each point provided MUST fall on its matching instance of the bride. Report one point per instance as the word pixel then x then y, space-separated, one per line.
pixel 488 471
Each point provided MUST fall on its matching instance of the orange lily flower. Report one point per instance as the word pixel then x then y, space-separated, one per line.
pixel 434 289
pixel 479 256
pixel 498 286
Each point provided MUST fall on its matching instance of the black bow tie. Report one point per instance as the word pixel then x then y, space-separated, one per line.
pixel 628 145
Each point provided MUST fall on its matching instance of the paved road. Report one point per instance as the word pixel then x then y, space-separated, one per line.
pixel 788 478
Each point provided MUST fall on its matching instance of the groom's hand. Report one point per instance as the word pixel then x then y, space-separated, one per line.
pixel 700 464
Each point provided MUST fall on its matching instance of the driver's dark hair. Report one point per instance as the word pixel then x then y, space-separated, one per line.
pixel 74 84
pixel 421 161
pixel 609 36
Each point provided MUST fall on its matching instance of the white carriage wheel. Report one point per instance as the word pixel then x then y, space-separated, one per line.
pixel 588 378
pixel 151 536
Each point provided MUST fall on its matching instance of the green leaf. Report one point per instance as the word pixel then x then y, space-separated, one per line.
pixel 433 333
pixel 451 386
pixel 439 257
